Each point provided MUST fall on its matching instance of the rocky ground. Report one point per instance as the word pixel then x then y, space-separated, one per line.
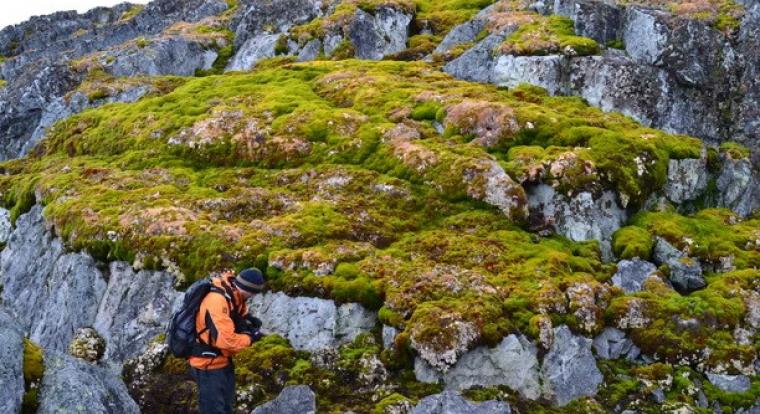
pixel 460 206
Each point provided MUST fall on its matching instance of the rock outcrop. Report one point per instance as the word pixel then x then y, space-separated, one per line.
pixel 72 385
pixel 685 272
pixel 450 402
pixel 311 324
pixel 569 369
pixel 11 365
pixel 612 343
pixel 582 217
pixel 512 363
pixel 54 293
pixel 294 399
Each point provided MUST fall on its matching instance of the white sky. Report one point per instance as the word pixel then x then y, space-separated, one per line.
pixel 16 11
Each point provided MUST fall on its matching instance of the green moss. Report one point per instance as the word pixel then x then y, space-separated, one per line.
pixel 734 150
pixel 548 35
pixel 34 368
pixel 132 12
pixel 632 241
pixel 616 44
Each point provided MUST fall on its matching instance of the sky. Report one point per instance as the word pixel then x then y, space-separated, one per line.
pixel 16 11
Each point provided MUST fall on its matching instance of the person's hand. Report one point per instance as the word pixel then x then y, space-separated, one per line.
pixel 255 335
pixel 253 322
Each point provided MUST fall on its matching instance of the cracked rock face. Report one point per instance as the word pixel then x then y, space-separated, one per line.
pixel 739 186
pixel 254 50
pixel 512 363
pixel 579 218
pixel 68 383
pixel 35 260
pixel 569 369
pixel 311 324
pixel 12 364
pixel 377 35
pixel 687 179
pixel 450 402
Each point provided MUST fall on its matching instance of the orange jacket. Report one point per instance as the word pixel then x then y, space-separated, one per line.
pixel 221 328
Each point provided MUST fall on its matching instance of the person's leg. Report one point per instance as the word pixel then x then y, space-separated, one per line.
pixel 212 391
pixel 229 392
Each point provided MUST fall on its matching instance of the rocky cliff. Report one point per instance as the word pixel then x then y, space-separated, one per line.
pixel 460 206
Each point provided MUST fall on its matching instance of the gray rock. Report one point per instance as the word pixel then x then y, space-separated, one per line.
pixel 52 292
pixel 6 228
pixel 12 364
pixel 266 16
pixel 71 385
pixel 645 35
pixel 252 51
pixel 463 33
pixel 631 274
pixel 310 51
pixel 450 402
pixel 170 56
pixel 569 369
pixel 597 20
pixel 685 272
pixel 738 184
pixel 476 64
pixel 512 363
pixel 613 344
pixel 543 71
pixel 311 324
pixel 377 35
pixel 389 336
pixel 578 218
pixel 294 399
pixel 687 179
pixel 729 383
pixel 135 308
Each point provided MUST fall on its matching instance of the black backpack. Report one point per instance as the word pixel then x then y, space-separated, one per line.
pixel 181 336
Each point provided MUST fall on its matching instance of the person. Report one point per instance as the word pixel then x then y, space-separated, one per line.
pixel 224 328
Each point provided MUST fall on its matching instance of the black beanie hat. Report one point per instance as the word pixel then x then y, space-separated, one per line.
pixel 250 280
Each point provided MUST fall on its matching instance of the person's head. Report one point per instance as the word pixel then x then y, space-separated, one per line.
pixel 249 282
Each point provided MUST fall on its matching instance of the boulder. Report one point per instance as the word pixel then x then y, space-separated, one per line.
pixel 569 369
pixel 72 385
pixel 382 33
pixel 631 274
pixel 11 365
pixel 53 292
pixel 476 64
pixel 543 71
pixel 739 186
pixel 613 344
pixel 687 179
pixel 267 16
pixel 463 33
pixel 450 402
pixel 729 383
pixel 311 324
pixel 255 49
pixel 512 363
pixel 685 272
pixel 389 336
pixel 135 308
pixel 580 218
pixel 294 399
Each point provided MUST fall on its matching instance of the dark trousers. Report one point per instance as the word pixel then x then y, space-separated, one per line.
pixel 216 389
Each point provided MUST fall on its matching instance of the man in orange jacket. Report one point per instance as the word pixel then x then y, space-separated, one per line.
pixel 224 329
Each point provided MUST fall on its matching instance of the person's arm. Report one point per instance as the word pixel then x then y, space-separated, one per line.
pixel 226 338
